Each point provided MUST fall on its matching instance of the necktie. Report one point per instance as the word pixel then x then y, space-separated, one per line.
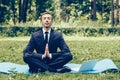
pixel 46 37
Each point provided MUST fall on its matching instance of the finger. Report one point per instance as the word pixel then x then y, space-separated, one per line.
pixel 47 47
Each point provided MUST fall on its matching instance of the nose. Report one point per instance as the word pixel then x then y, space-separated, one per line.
pixel 46 20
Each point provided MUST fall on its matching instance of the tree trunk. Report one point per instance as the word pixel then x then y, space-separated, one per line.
pixel 94 10
pixel 13 11
pixel 112 13
pixel 40 7
pixel 117 13
pixel 91 10
pixel 20 10
pixel 23 5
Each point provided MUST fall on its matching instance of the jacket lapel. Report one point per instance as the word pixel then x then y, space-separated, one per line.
pixel 41 38
pixel 51 37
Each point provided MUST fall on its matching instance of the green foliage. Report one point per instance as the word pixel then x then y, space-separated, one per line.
pixel 27 31
pixel 17 31
pixel 63 10
pixel 82 48
pixel 7 10
pixel 4 14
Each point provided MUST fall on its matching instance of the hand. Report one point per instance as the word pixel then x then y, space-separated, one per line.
pixel 47 51
pixel 46 54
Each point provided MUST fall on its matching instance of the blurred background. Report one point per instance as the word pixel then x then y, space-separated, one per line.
pixel 14 12
pixel 82 17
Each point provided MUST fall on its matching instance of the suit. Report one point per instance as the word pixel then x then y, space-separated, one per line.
pixel 59 59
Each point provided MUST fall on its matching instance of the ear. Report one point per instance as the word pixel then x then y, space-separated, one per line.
pixel 40 21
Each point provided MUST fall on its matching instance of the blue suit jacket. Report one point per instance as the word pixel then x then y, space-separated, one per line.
pixel 37 43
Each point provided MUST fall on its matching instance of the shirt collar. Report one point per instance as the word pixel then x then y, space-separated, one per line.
pixel 47 31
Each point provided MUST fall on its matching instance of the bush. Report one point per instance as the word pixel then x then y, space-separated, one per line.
pixel 27 31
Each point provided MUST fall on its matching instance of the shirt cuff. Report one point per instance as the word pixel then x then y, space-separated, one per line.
pixel 42 56
pixel 50 56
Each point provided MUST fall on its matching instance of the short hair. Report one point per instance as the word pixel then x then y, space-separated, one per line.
pixel 44 14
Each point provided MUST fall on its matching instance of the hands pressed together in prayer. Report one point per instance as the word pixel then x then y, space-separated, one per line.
pixel 47 53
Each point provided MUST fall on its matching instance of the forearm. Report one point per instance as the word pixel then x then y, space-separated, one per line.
pixel 37 55
pixel 34 55
pixel 58 54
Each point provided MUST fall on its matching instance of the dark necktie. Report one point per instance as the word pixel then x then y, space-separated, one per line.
pixel 46 37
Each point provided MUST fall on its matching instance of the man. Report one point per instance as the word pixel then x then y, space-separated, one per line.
pixel 46 41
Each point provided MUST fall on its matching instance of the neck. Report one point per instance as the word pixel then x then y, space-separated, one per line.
pixel 46 29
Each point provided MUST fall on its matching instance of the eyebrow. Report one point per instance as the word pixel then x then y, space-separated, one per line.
pixel 47 17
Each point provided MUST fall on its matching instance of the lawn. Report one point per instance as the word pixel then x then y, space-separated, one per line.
pixel 82 48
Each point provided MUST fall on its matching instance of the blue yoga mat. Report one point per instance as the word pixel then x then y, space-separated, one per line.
pixel 91 66
pixel 8 67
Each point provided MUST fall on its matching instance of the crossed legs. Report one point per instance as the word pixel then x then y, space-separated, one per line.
pixel 38 65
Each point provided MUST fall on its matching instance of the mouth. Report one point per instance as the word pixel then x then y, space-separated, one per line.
pixel 46 23
pixel 46 26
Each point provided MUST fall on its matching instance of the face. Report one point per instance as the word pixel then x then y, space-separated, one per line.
pixel 46 21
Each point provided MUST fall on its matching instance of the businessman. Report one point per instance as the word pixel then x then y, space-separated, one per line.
pixel 42 53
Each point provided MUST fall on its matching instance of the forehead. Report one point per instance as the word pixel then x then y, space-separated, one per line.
pixel 46 15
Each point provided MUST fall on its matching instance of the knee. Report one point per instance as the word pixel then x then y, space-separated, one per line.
pixel 69 56
pixel 26 58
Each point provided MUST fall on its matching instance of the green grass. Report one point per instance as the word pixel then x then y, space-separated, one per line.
pixel 82 48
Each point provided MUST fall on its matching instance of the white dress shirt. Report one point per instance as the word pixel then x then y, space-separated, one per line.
pixel 48 33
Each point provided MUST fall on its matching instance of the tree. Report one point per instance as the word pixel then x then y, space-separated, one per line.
pixel 20 11
pixel 112 12
pixel 13 13
pixel 4 10
pixel 41 6
pixel 94 9
pixel 117 13
pixel 62 10
pixel 23 6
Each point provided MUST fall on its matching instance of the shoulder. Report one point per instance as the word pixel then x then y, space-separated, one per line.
pixel 55 32
pixel 56 35
pixel 38 33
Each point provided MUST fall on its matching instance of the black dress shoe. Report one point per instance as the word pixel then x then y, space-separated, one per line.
pixel 64 69
pixel 52 70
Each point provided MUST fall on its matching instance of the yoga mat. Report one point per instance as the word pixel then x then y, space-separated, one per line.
pixel 90 66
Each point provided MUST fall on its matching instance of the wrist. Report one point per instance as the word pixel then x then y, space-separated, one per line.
pixel 50 56
pixel 43 56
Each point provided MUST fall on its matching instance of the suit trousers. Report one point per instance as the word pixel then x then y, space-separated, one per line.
pixel 47 64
